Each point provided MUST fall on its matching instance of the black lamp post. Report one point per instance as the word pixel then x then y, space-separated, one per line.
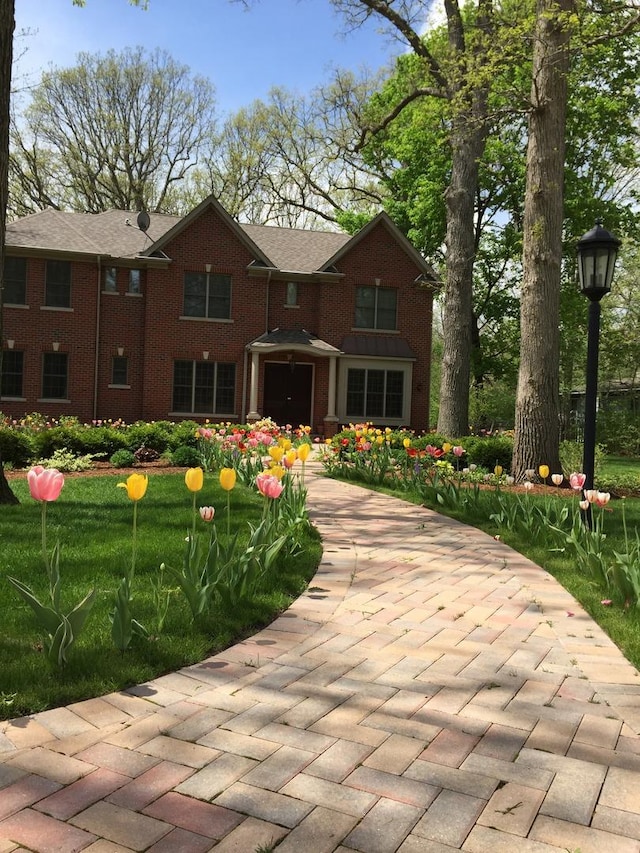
pixel 597 253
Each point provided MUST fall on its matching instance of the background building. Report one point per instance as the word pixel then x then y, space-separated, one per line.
pixel 118 315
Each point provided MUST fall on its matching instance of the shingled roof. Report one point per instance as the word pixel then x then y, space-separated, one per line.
pixel 115 234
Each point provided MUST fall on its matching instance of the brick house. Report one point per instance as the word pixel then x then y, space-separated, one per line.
pixel 144 318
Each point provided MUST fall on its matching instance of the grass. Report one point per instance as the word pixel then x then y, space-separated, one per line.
pixel 92 520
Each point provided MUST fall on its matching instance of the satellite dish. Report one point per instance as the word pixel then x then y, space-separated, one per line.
pixel 143 220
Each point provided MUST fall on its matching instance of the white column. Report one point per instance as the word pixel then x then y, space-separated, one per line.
pixel 330 417
pixel 253 388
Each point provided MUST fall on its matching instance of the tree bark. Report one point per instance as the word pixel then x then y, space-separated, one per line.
pixel 537 428
pixel 7 25
pixel 467 147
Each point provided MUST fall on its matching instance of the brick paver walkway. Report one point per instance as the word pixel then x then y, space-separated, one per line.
pixel 432 691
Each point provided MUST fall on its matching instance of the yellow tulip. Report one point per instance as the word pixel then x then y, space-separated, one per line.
pixel 136 486
pixel 379 439
pixel 277 470
pixel 227 478
pixel 543 470
pixel 276 453
pixel 286 444
pixel 194 478
pixel 303 452
pixel 406 442
pixel 328 442
pixel 446 447
pixel 498 470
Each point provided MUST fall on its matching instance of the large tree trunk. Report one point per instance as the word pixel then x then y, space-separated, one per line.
pixel 7 25
pixel 536 440
pixel 468 141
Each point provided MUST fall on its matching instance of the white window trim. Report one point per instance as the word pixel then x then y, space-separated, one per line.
pixel 347 362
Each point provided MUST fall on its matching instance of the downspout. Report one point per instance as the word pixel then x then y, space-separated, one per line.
pixel 266 312
pixel 97 346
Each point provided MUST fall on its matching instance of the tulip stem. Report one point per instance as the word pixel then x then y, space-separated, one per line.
pixel 228 513
pixel 45 556
pixel 135 537
pixel 193 531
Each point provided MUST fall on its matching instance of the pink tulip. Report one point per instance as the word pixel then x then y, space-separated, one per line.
pixel 45 484
pixel 602 498
pixel 458 450
pixel 584 505
pixel 207 513
pixel 557 479
pixel 269 486
pixel 577 481
pixel 590 495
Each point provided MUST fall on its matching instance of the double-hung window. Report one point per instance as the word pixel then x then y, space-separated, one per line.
pixel 204 387
pixel 54 375
pixel 12 373
pixel 376 308
pixel 207 295
pixel 109 281
pixel 15 281
pixel 120 370
pixel 374 394
pixel 58 284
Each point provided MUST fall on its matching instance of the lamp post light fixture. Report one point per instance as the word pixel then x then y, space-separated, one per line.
pixel 597 254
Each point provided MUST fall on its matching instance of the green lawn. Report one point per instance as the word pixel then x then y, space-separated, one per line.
pixel 92 520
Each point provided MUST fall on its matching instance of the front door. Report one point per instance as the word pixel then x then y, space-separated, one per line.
pixel 287 393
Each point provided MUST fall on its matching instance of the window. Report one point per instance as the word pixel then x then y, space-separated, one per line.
pixel 120 370
pixel 12 372
pixel 134 281
pixel 207 295
pixel 15 281
pixel 376 307
pixel 292 293
pixel 110 280
pixel 374 394
pixel 54 375
pixel 204 387
pixel 58 284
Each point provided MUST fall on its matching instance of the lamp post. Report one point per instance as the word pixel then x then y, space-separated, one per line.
pixel 597 253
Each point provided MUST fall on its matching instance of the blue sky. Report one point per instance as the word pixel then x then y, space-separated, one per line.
pixel 290 43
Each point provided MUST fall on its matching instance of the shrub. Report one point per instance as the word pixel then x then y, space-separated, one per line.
pixel 15 448
pixel 185 457
pixel 571 453
pixel 488 452
pixel 123 458
pixel 66 461
pixel 155 435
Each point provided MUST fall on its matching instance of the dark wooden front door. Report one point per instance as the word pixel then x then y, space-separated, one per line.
pixel 287 393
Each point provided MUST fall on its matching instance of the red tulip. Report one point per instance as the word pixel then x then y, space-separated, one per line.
pixel 45 484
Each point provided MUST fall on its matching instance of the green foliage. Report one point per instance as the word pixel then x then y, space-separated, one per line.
pixel 185 456
pixel 61 629
pixel 489 452
pixel 123 459
pixel 571 457
pixel 15 447
pixel 65 461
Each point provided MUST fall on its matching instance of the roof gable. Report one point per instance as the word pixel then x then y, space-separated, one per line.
pixel 385 220
pixel 183 223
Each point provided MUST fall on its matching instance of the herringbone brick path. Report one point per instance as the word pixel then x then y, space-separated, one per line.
pixel 432 691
